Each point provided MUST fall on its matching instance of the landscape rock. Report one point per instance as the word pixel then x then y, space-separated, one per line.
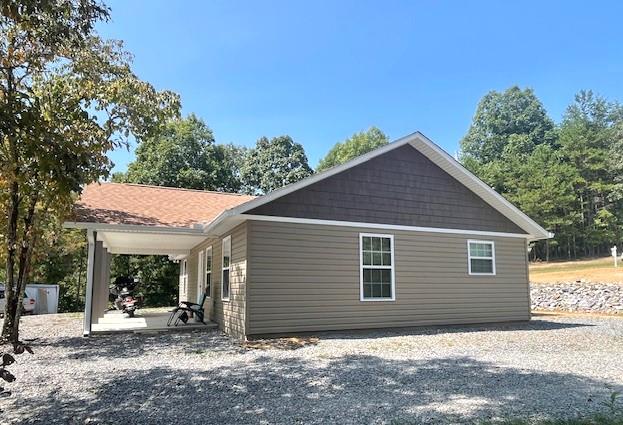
pixel 578 297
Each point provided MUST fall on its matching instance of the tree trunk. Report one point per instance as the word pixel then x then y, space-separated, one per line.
pixel 12 299
pixel 547 250
pixel 28 239
pixel 13 308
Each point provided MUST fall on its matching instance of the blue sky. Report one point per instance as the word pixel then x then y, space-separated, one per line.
pixel 322 70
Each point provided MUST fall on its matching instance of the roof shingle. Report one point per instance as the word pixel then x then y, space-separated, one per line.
pixel 135 204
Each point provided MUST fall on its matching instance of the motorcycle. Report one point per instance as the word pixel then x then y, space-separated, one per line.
pixel 123 296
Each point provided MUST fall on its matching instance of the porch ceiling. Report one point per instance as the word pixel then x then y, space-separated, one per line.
pixel 149 243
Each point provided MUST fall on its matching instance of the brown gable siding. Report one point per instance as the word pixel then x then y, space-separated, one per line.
pixel 400 187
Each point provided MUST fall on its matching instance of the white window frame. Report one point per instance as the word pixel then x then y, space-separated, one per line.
pixel 206 272
pixel 199 276
pixel 226 240
pixel 392 267
pixel 184 274
pixel 475 257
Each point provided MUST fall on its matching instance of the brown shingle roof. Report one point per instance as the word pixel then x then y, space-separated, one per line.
pixel 123 203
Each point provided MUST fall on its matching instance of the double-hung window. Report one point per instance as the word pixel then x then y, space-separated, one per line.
pixel 208 272
pixel 226 264
pixel 481 257
pixel 377 282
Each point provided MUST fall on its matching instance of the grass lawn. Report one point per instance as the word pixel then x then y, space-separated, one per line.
pixel 614 419
pixel 594 270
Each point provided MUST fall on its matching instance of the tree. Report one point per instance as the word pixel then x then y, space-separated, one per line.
pixel 60 257
pixel 590 139
pixel 184 155
pixel 511 145
pixel 273 164
pixel 545 191
pixel 67 97
pixel 567 178
pixel 507 126
pixel 356 145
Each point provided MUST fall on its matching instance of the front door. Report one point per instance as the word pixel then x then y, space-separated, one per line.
pixel 200 288
pixel 207 282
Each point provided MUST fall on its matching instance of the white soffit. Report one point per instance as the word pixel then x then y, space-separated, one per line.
pixel 138 243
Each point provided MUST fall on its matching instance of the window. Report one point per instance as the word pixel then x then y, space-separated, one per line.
pixel 377 267
pixel 481 257
pixel 208 272
pixel 226 266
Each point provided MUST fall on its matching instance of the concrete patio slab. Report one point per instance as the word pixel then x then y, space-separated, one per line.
pixel 144 321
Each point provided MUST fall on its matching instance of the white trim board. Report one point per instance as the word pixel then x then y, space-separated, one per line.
pixel 132 228
pixel 429 149
pixel 383 226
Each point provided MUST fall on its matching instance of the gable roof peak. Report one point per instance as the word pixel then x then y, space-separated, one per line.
pixel 434 153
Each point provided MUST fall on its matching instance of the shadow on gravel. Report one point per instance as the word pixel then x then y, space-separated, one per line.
pixel 356 389
pixel 532 325
pixel 123 345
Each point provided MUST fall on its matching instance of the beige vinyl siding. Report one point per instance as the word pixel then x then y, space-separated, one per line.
pixel 306 278
pixel 230 315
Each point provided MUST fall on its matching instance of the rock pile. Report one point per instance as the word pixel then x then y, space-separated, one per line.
pixel 578 296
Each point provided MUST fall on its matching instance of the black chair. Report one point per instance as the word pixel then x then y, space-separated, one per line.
pixel 185 310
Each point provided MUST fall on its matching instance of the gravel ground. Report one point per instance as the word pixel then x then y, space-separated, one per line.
pixel 551 367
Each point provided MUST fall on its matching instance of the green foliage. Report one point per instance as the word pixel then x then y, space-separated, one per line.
pixel 568 178
pixel 67 97
pixel 506 128
pixel 184 154
pixel 358 144
pixel 61 259
pixel 590 139
pixel 158 277
pixel 273 164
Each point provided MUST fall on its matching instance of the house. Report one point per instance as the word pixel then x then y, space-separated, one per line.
pixel 401 236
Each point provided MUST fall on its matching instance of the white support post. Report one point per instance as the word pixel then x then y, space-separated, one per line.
pixel 88 298
pixel 614 255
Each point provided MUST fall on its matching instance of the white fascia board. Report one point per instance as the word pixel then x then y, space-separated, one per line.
pixel 381 226
pixel 138 228
pixel 433 152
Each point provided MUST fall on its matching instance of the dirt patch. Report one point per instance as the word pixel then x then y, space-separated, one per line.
pixel 292 343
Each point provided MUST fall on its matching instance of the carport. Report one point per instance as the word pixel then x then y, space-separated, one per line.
pixel 138 220
pixel 119 239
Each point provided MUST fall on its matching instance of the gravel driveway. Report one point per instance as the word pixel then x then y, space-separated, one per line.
pixel 550 367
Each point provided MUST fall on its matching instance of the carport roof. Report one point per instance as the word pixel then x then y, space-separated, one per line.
pixel 143 205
